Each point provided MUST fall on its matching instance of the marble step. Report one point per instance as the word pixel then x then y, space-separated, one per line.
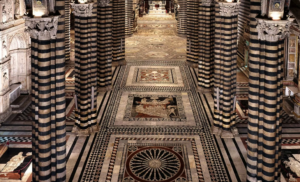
pixel 22 106
pixel 19 101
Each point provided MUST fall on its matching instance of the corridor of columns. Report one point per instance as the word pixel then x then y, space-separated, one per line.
pixel 147 99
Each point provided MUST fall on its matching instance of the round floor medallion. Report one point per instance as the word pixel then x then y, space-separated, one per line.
pixel 154 164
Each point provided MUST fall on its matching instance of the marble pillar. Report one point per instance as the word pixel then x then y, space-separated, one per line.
pixel 48 98
pixel 181 17
pixel 206 38
pixel 118 33
pixel 128 18
pixel 104 44
pixel 225 68
pixel 265 99
pixel 85 68
pixel 192 31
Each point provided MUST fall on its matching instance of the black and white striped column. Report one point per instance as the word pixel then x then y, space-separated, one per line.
pixel 48 97
pixel 104 45
pixel 118 33
pixel 67 30
pixel 192 31
pixel 128 18
pixel 265 97
pixel 85 68
pixel 206 39
pixel 225 68
pixel 181 21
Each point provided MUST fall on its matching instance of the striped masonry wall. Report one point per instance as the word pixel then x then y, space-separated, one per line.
pixel 86 72
pixel 104 47
pixel 206 38
pixel 265 100
pixel 48 102
pixel 67 30
pixel 118 32
pixel 192 31
pixel 225 69
pixel 181 23
pixel 128 18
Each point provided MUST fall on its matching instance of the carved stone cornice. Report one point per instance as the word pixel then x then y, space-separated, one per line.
pixel 207 2
pixel 229 9
pixel 103 3
pixel 271 30
pixel 83 10
pixel 44 28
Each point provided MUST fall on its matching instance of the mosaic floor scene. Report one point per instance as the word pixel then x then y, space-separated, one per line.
pixel 154 125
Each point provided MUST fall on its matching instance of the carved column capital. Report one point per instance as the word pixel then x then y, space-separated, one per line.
pixel 42 28
pixel 271 30
pixel 103 3
pixel 83 10
pixel 229 9
pixel 207 2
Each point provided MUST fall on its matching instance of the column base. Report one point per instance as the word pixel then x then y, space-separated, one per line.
pixel 181 35
pixel 205 90
pixel 84 132
pixel 233 132
pixel 193 65
pixel 119 63
pixel 105 89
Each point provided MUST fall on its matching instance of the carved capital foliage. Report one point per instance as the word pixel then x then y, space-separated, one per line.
pixel 273 31
pixel 229 9
pixel 83 10
pixel 42 28
pixel 103 3
pixel 207 2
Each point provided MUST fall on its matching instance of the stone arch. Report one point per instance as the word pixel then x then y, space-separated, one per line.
pixel 17 42
pixel 19 61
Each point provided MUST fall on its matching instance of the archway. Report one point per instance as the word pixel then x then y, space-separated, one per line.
pixel 20 63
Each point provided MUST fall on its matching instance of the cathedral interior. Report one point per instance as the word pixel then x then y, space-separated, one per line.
pixel 150 90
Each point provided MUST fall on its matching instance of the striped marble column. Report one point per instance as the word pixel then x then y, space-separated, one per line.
pixel 85 68
pixel 128 18
pixel 192 31
pixel 225 68
pixel 104 45
pixel 48 97
pixel 181 22
pixel 265 98
pixel 67 30
pixel 118 33
pixel 206 38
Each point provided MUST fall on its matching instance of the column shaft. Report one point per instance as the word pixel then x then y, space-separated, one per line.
pixel 118 32
pixel 86 72
pixel 225 69
pixel 192 31
pixel 181 22
pixel 206 45
pixel 104 45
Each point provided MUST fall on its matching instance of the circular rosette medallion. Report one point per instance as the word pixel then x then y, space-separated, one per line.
pixel 154 164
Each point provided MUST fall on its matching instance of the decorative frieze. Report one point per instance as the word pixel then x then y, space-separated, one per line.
pixel 83 10
pixel 4 77
pixel 229 9
pixel 273 31
pixel 103 3
pixel 42 28
pixel 207 2
pixel 6 11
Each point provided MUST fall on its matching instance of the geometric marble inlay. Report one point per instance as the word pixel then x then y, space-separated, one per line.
pixel 154 163
pixel 154 75
pixel 154 108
